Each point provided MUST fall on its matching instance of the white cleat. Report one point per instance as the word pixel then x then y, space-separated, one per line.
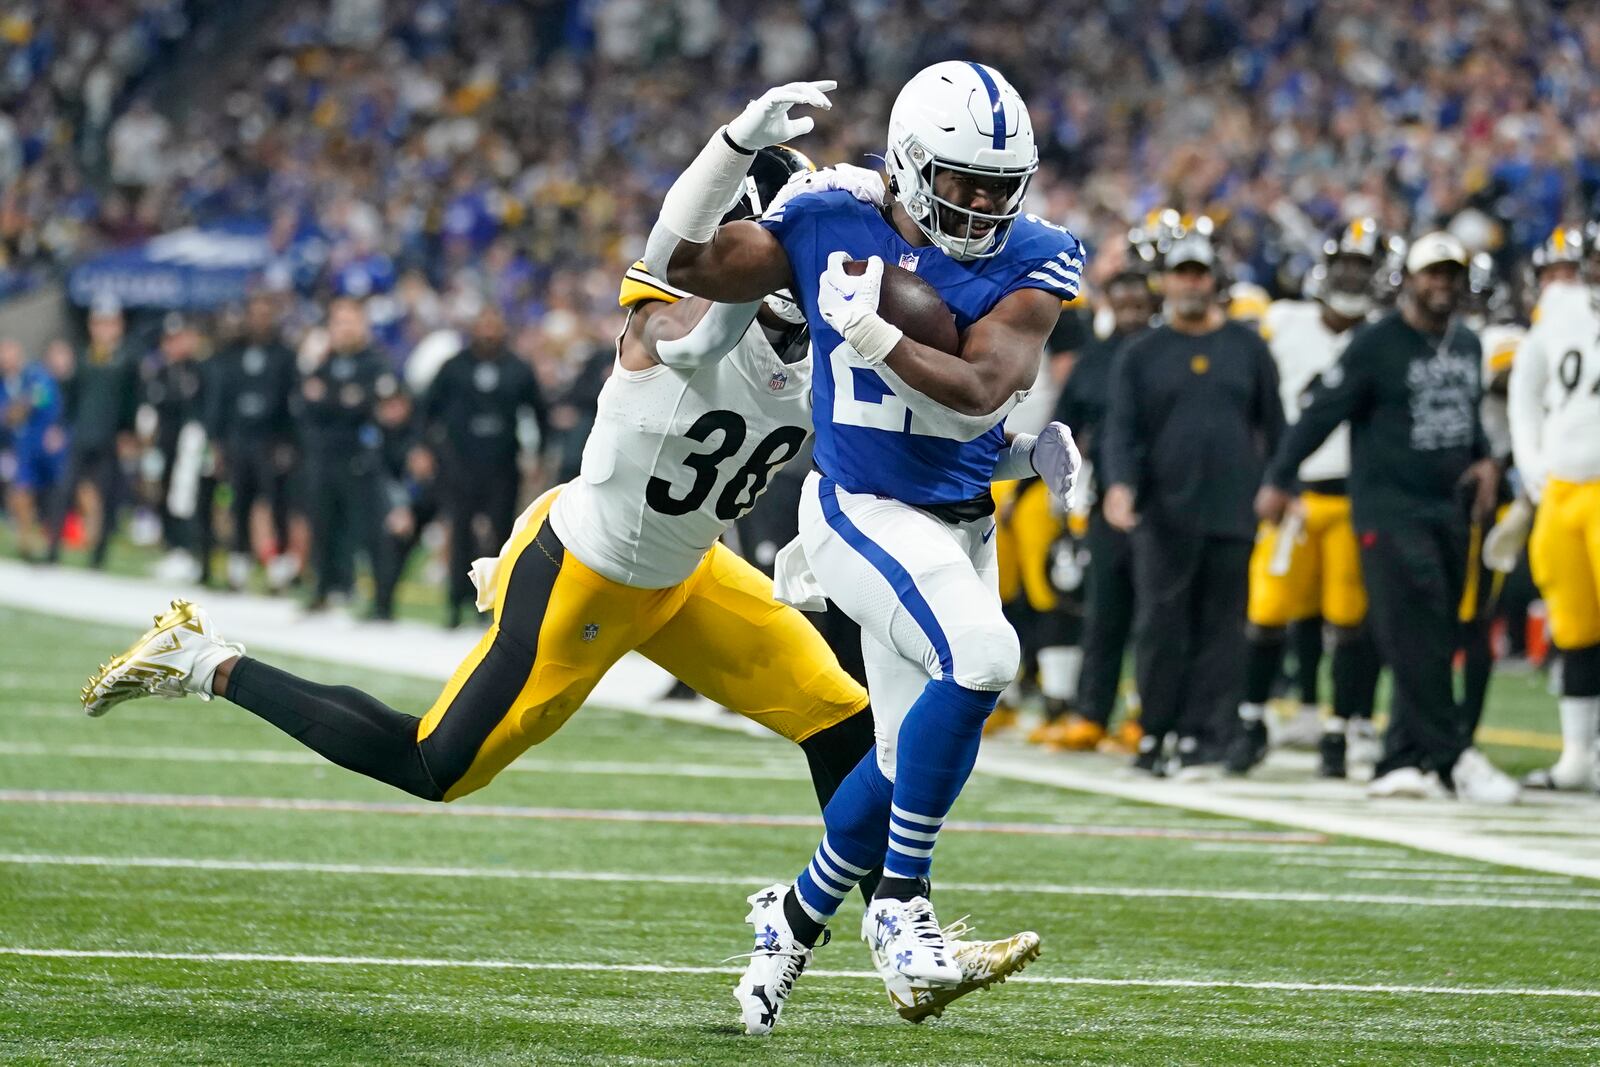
pixel 1362 743
pixel 1410 783
pixel 1478 781
pixel 910 952
pixel 775 965
pixel 176 657
pixel 982 963
pixel 1303 730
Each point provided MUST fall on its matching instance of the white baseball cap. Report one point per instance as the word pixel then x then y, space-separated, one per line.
pixel 1191 248
pixel 1434 248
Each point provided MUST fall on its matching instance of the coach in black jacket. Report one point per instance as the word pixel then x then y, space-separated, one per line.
pixel 1194 414
pixel 1419 471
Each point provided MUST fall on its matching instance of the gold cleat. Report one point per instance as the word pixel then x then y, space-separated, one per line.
pixel 163 662
pixel 982 963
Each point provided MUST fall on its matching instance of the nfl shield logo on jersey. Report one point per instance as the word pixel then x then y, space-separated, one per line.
pixel 778 381
pixel 908 261
pixel 591 630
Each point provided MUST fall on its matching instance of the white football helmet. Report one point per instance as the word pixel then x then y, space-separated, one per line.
pixel 966 118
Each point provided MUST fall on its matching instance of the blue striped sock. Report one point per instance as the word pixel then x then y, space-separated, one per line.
pixel 857 822
pixel 937 749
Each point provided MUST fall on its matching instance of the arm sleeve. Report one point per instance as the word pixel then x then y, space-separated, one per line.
pixel 1120 448
pixel 1335 395
pixel 713 337
pixel 1525 400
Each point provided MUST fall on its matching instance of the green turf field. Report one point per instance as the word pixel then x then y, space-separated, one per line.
pixel 298 914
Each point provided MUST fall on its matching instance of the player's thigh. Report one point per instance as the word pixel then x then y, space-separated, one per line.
pixel 732 642
pixel 558 628
pixel 1562 552
pixel 912 583
pixel 1343 591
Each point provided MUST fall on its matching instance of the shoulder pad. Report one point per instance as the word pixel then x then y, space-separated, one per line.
pixel 640 286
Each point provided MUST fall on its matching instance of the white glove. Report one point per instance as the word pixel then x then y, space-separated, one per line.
pixel 863 184
pixel 1502 548
pixel 766 122
pixel 1056 460
pixel 849 304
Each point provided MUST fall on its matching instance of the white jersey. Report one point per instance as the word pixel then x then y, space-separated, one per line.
pixel 1554 393
pixel 1303 347
pixel 676 456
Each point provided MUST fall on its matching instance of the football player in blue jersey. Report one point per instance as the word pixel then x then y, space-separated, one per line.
pixel 896 522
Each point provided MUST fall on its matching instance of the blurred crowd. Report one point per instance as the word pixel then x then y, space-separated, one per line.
pixel 438 153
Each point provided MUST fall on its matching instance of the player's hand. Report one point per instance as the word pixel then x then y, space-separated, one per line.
pixel 1055 457
pixel 766 122
pixel 865 185
pixel 844 300
pixel 1272 504
pixel 1502 546
pixel 1118 508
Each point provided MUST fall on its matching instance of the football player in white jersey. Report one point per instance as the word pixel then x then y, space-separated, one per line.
pixel 705 403
pixel 1309 566
pixel 1554 408
pixel 896 523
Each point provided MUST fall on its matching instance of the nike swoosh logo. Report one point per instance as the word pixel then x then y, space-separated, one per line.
pixel 990 534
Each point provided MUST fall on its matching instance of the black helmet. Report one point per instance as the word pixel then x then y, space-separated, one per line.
pixel 769 171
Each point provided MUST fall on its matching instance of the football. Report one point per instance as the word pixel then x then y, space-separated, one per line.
pixel 915 306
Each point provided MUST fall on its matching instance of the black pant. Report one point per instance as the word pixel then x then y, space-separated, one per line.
pixel 1414 569
pixel 257 469
pixel 1108 620
pixel 1190 643
pixel 100 466
pixel 346 511
pixel 477 491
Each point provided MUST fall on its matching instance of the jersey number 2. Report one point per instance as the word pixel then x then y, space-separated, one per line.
pixel 744 486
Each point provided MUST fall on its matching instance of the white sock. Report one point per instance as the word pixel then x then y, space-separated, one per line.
pixel 1252 712
pixel 1059 668
pixel 1580 719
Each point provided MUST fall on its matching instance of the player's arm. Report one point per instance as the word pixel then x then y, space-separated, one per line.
pixel 686 334
pixel 999 355
pixel 739 262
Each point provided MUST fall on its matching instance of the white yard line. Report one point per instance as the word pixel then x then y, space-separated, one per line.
pixel 427 652
pixel 511 811
pixel 1515 903
pixel 170 754
pixel 423 962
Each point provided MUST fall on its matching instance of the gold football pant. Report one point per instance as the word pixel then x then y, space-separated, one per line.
pixel 1564 552
pixel 1324 575
pixel 559 626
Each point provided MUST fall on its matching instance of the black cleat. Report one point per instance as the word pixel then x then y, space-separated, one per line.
pixel 1331 749
pixel 1149 761
pixel 1248 748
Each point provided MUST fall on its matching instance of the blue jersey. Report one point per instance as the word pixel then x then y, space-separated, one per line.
pixel 867 438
